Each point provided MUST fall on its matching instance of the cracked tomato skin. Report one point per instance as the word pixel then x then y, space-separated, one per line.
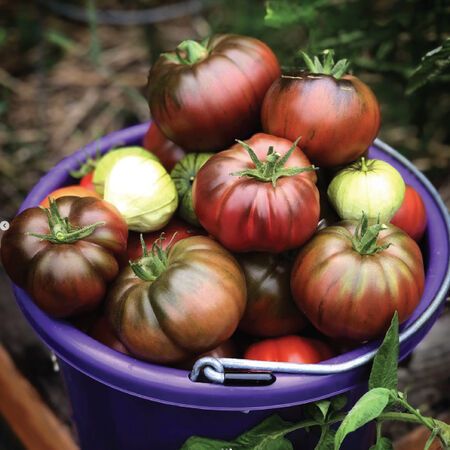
pixel 207 105
pixel 193 306
pixel 348 295
pixel 338 119
pixel 65 279
pixel 245 214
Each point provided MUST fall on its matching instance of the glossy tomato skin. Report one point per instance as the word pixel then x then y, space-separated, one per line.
pixel 167 151
pixel 192 307
pixel 337 119
pixel 291 348
pixel 351 296
pixel 87 183
pixel 412 215
pixel 270 310
pixel 65 279
pixel 245 214
pixel 103 332
pixel 72 190
pixel 206 106
pixel 174 231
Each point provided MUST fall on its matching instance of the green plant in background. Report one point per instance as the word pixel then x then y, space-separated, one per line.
pixel 381 402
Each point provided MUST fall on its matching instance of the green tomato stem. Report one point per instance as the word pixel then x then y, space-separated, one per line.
pixel 188 53
pixel 61 231
pixel 328 67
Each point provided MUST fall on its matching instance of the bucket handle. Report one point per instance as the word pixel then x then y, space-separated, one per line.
pixel 226 370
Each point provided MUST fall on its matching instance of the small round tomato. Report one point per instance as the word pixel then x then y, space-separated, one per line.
pixel 270 310
pixel 337 115
pixel 203 97
pixel 260 195
pixel 167 151
pixel 72 190
pixel 65 256
pixel 86 181
pixel 350 278
pixel 412 215
pixel 292 349
pixel 176 303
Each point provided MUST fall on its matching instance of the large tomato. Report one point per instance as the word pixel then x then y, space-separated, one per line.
pixel 258 196
pixel 350 278
pixel 412 215
pixel 337 117
pixel 184 302
pixel 270 310
pixel 202 97
pixel 74 190
pixel 167 151
pixel 292 349
pixel 70 257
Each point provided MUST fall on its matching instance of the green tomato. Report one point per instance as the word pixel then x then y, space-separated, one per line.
pixel 142 190
pixel 183 175
pixel 108 160
pixel 373 186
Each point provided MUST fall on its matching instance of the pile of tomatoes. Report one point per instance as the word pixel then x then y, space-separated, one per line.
pixel 256 260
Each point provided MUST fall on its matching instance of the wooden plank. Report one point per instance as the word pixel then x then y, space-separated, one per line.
pixel 29 417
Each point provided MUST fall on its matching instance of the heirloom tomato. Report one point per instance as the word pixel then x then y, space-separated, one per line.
pixel 167 151
pixel 350 278
pixel 103 332
pixel 292 349
pixel 65 256
pixel 176 303
pixel 371 185
pixel 260 195
pixel 270 310
pixel 202 97
pixel 337 115
pixel 411 217
pixel 183 175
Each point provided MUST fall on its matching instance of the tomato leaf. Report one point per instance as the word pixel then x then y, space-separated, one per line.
pixel 385 364
pixel 367 408
pixel 338 402
pixel 318 410
pixel 383 444
pixel 268 435
pixel 326 441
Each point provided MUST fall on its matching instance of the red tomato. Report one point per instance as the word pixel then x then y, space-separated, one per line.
pixel 249 213
pixel 353 294
pixel 293 349
pixel 176 229
pixel 103 332
pixel 204 97
pixel 87 183
pixel 167 151
pixel 73 190
pixel 412 215
pixel 67 261
pixel 337 118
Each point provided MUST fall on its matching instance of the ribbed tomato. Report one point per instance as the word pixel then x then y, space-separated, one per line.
pixel 412 215
pixel 260 195
pixel 337 117
pixel 203 97
pixel 350 278
pixel 185 301
pixel 292 349
pixel 65 257
pixel 270 310
pixel 167 151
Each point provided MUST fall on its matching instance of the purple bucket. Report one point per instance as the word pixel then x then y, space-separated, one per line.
pixel 123 403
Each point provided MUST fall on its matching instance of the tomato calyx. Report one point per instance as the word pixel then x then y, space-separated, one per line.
pixel 188 53
pixel 151 265
pixel 61 231
pixel 87 167
pixel 365 238
pixel 328 67
pixel 272 168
